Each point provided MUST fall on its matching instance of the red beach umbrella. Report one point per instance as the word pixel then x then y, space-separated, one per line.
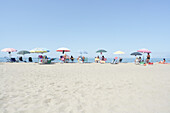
pixel 63 50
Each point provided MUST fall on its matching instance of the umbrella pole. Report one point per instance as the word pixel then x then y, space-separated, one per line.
pixel 38 58
pixel 143 57
pixel 24 57
pixel 9 55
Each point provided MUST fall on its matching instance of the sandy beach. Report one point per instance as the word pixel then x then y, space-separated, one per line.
pixel 84 88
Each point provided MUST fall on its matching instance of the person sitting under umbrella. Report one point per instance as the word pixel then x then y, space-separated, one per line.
pixel 62 58
pixel 120 60
pixel 137 61
pixel 140 59
pixel 72 58
pixel 30 59
pixel 83 59
pixel 103 60
pixel 97 59
pixel 20 58
pixel 66 58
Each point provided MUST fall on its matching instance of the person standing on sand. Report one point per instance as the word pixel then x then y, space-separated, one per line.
pixel 148 58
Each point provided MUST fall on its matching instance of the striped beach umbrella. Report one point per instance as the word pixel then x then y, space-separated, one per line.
pixel 39 50
pixel 63 50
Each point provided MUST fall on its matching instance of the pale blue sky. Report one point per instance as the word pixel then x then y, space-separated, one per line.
pixel 126 25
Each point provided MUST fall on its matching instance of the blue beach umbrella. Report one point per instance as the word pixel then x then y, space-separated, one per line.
pixel 83 52
pixel 136 53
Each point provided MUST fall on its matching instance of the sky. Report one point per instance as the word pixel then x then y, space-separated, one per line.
pixel 126 25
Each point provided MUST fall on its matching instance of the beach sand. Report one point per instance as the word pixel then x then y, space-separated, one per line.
pixel 84 88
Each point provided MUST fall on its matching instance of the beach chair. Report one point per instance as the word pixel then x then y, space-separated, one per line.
pixel 13 60
pixel 7 59
pixel 72 59
pixel 103 61
pixel 86 59
pixel 21 60
pixel 114 61
pixel 45 61
pixel 67 60
pixel 30 59
pixel 120 60
pixel 79 60
pixel 52 59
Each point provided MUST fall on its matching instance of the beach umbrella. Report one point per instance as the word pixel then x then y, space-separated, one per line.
pixel 39 50
pixel 101 51
pixel 63 50
pixel 23 52
pixel 119 52
pixel 136 53
pixel 144 51
pixel 83 52
pixel 9 50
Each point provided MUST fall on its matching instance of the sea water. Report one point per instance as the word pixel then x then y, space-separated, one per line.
pixel 91 60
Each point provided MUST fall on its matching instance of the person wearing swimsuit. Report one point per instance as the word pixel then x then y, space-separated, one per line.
pixel 148 58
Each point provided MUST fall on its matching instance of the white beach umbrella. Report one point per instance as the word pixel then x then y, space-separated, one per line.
pixel 9 50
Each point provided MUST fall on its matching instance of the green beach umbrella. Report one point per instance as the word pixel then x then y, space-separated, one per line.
pixel 101 51
pixel 23 52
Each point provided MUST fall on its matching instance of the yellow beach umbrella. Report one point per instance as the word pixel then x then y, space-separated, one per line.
pixel 39 50
pixel 119 52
